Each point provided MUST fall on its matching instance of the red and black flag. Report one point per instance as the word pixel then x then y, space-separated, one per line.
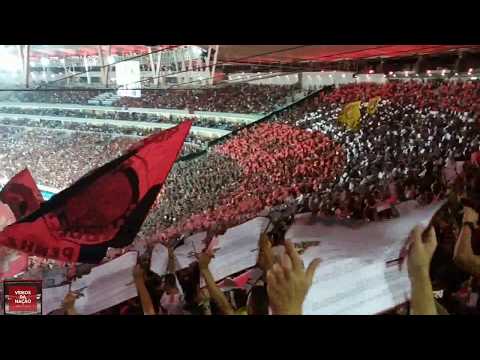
pixel 105 208
pixel 21 194
pixel 21 197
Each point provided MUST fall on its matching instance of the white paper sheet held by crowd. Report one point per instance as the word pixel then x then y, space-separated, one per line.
pixel 234 251
pixel 373 240
pixel 353 277
pixel 106 285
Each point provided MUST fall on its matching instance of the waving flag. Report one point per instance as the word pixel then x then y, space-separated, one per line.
pixel 18 198
pixel 373 105
pixel 21 194
pixel 105 208
pixel 11 262
pixel 350 116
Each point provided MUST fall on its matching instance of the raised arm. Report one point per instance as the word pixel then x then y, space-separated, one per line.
pixel 463 254
pixel 145 298
pixel 288 283
pixel 171 260
pixel 215 293
pixel 419 257
pixel 69 304
pixel 265 254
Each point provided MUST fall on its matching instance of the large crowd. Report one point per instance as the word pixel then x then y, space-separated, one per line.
pixel 260 167
pixel 422 144
pixel 241 98
pixel 199 121
pixel 53 96
pixel 57 158
pixel 194 142
pixel 236 98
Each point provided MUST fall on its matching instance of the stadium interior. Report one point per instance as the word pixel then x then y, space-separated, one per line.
pixel 365 156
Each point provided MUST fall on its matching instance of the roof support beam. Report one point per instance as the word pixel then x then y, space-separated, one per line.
pixel 103 74
pixel 215 56
pixel 24 58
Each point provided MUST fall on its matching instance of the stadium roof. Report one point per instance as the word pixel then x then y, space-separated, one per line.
pixel 269 53
pixel 89 50
pixel 328 53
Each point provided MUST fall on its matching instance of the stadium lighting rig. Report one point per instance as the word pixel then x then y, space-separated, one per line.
pixel 8 61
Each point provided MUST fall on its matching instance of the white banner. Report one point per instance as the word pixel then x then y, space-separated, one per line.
pixel 238 248
pixel 380 239
pixel 353 277
pixel 159 260
pixel 52 298
pixel 128 76
pixel 234 251
pixel 106 285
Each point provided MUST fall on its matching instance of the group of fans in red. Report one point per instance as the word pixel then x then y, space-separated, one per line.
pixel 420 142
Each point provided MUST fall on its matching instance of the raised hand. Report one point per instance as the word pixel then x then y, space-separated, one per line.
pixel 204 259
pixel 69 303
pixel 265 254
pixel 288 283
pixel 470 215
pixel 138 272
pixel 421 251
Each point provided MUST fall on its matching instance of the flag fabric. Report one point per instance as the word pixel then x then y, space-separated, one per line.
pixel 6 216
pixel 350 116
pixel 103 209
pixel 21 194
pixel 373 105
pixel 18 198
pixel 11 262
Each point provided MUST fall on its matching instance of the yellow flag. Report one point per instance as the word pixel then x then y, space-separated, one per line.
pixel 372 105
pixel 350 116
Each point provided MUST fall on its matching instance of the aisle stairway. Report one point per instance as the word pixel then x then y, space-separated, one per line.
pixel 107 99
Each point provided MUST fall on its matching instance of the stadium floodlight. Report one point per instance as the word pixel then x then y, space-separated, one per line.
pixel 8 61
pixel 196 51
pixel 343 75
pixel 44 61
